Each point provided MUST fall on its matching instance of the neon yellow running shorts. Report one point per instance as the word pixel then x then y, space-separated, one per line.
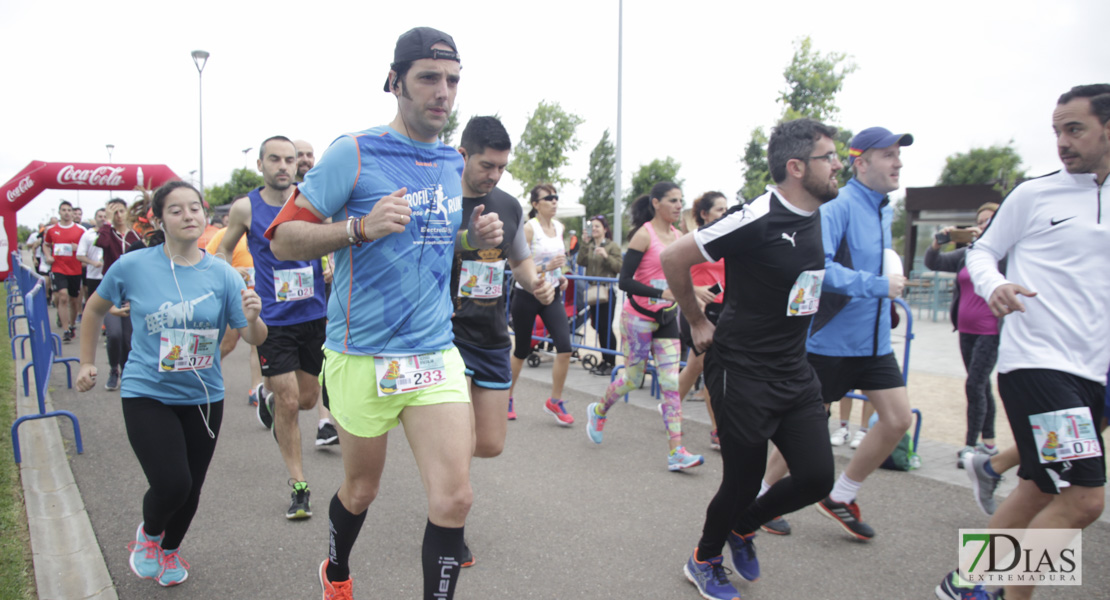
pixel 354 400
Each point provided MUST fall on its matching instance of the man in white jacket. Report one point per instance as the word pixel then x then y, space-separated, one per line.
pixel 1055 344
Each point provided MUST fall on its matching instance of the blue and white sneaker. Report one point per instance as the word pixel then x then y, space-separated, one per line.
pixel 595 423
pixel 744 559
pixel 174 569
pixel 711 577
pixel 146 554
pixel 680 459
pixel 953 587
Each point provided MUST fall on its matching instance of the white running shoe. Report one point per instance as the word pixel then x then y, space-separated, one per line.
pixel 857 439
pixel 840 437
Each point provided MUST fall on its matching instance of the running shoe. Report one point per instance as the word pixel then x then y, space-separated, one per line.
pixel 982 448
pixel 512 411
pixel 983 485
pixel 556 409
pixel 840 437
pixel 252 397
pixel 744 559
pixel 962 454
pixel 175 569
pixel 299 507
pixel 954 587
pixel 265 406
pixel 326 435
pixel 113 380
pixel 67 336
pixel 776 526
pixel 857 439
pixel 714 440
pixel 334 590
pixel 595 423
pixel 847 516
pixel 711 577
pixel 680 459
pixel 146 554
pixel 467 556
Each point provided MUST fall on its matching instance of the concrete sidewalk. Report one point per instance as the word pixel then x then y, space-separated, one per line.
pixel 555 516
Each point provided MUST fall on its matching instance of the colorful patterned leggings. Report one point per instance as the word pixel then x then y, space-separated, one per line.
pixel 642 339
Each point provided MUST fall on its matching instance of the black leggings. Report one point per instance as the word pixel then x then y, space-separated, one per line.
pixel 980 353
pixel 174 449
pixel 119 340
pixel 601 317
pixel 803 438
pixel 524 310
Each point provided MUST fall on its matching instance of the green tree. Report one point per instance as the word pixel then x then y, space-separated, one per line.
pixel 242 181
pixel 23 232
pixel 597 187
pixel 449 129
pixel 997 165
pixel 812 82
pixel 542 150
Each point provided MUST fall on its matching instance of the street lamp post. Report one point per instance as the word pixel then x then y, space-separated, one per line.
pixel 200 58
pixel 245 151
pixel 110 147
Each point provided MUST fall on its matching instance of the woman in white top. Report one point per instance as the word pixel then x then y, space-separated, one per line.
pixel 545 239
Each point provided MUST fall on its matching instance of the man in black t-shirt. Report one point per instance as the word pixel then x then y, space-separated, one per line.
pixel 761 385
pixel 478 286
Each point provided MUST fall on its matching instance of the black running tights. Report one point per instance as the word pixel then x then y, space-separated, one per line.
pixel 119 340
pixel 803 441
pixel 174 449
pixel 524 309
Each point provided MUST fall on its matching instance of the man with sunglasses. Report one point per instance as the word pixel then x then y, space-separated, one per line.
pixel 849 344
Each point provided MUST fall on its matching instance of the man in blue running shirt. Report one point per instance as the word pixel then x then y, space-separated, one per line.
pixel 394 195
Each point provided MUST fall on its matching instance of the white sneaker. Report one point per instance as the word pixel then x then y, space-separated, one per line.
pixel 857 438
pixel 840 437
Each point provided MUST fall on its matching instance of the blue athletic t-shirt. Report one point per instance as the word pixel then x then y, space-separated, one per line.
pixel 169 335
pixel 390 296
pixel 292 291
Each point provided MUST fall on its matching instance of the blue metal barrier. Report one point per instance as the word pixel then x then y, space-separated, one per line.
pixel 42 361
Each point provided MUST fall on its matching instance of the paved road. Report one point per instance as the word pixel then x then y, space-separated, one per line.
pixel 554 517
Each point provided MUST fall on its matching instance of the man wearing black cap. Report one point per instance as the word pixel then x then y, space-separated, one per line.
pixel 394 195
pixel 849 342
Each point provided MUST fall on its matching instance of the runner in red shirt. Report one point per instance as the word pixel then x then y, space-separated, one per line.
pixel 60 250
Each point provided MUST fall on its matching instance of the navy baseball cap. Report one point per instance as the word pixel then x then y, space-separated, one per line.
pixel 417 43
pixel 875 137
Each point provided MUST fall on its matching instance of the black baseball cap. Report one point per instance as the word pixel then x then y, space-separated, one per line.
pixel 417 43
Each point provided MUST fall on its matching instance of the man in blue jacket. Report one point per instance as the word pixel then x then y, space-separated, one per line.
pixel 849 345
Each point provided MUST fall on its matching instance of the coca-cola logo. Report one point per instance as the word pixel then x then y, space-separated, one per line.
pixel 102 176
pixel 24 184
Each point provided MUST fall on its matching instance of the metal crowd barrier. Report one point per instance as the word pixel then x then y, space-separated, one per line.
pixel 43 355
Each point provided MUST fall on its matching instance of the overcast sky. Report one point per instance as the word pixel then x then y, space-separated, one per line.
pixel 698 76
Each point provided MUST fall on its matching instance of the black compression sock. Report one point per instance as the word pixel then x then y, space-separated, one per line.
pixel 343 528
pixel 441 555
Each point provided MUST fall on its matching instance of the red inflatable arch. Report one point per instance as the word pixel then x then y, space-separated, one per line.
pixel 39 176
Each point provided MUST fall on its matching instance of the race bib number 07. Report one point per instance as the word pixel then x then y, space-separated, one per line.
pixel 1067 434
pixel 401 374
pixel 187 349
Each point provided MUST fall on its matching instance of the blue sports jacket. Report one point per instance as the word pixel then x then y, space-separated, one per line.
pixel 853 318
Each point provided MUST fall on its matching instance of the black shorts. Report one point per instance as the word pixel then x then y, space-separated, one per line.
pixel 842 374
pixel 91 285
pixel 70 283
pixel 487 367
pixel 293 347
pixel 1027 392
pixel 752 410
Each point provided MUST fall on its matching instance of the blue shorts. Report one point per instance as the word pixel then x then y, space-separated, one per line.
pixel 487 368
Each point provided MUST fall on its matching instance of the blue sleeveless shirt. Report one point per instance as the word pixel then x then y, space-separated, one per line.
pixel 292 291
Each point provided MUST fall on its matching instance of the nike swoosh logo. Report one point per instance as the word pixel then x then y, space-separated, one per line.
pixel 1054 222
